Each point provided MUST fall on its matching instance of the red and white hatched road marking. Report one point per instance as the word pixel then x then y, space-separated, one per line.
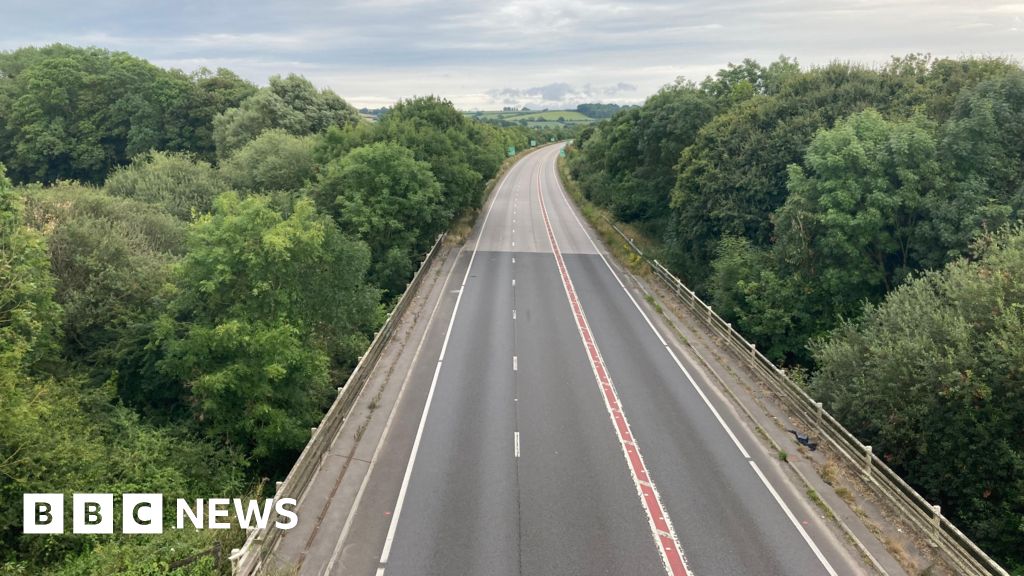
pixel 661 525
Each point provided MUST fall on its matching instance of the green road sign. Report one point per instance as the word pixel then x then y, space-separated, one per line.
pixel 533 143
pixel 552 138
pixel 562 152
pixel 511 151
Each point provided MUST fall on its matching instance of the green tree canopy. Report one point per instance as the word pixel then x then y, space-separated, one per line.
pixel 391 200
pixel 266 306
pixel 932 377
pixel 75 113
pixel 111 259
pixel 181 185
pixel 291 104
pixel 273 161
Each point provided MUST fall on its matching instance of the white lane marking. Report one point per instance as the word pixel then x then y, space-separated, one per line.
pixel 513 313
pixel 513 259
pixel 515 363
pixel 390 539
pixel 707 402
pixel 513 243
pixel 689 378
pixel 517 444
pixel 387 429
pixel 513 281
pixel 792 518
pixel 671 552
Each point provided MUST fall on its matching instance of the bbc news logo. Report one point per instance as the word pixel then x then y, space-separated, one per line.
pixel 144 513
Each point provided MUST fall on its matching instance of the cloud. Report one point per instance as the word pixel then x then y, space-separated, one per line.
pixel 482 54
pixel 560 95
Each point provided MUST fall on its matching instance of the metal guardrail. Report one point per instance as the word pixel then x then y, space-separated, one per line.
pixel 260 543
pixel 926 518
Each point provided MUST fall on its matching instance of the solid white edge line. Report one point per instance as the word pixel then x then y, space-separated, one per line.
pixel 517 444
pixel 689 378
pixel 389 540
pixel 778 499
pixel 387 429
pixel 792 518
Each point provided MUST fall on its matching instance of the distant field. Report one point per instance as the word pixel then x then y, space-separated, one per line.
pixel 535 117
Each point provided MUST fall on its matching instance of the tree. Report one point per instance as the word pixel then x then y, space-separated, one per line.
pixel 291 104
pixel 111 259
pixel 29 318
pixel 183 186
pixel 734 175
pixel 274 161
pixel 981 145
pixel 76 113
pixel 852 221
pixel 389 199
pixel 266 306
pixel 437 133
pixel 931 377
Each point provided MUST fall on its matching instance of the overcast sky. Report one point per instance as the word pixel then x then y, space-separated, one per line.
pixel 485 55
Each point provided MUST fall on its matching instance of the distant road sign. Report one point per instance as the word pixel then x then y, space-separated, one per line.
pixel 511 151
pixel 533 143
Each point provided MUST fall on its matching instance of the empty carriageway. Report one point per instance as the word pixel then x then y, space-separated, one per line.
pixel 549 428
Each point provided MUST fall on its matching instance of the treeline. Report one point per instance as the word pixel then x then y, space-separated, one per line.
pixel 189 266
pixel 808 206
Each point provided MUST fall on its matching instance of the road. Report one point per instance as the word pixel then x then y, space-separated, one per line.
pixel 550 429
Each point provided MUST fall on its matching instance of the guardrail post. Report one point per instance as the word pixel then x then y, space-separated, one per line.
pixel 936 521
pixel 277 487
pixel 867 461
pixel 312 431
pixel 818 409
pixel 753 351
pixel 235 560
pixel 707 308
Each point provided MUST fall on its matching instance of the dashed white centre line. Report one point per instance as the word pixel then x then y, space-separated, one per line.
pixel 515 363
pixel 513 314
pixel 517 444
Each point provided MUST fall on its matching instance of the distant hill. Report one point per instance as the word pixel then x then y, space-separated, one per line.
pixel 532 118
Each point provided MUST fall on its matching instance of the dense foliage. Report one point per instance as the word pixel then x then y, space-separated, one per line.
pixel 935 375
pixel 189 268
pixel 73 113
pixel 793 198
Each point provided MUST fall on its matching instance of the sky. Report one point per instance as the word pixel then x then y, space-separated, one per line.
pixel 487 55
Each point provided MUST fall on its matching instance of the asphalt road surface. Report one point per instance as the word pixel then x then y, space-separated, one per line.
pixel 551 430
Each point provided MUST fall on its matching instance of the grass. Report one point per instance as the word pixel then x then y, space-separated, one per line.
pixel 654 303
pixel 549 115
pixel 535 118
pixel 829 472
pixel 816 499
pixel 600 219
